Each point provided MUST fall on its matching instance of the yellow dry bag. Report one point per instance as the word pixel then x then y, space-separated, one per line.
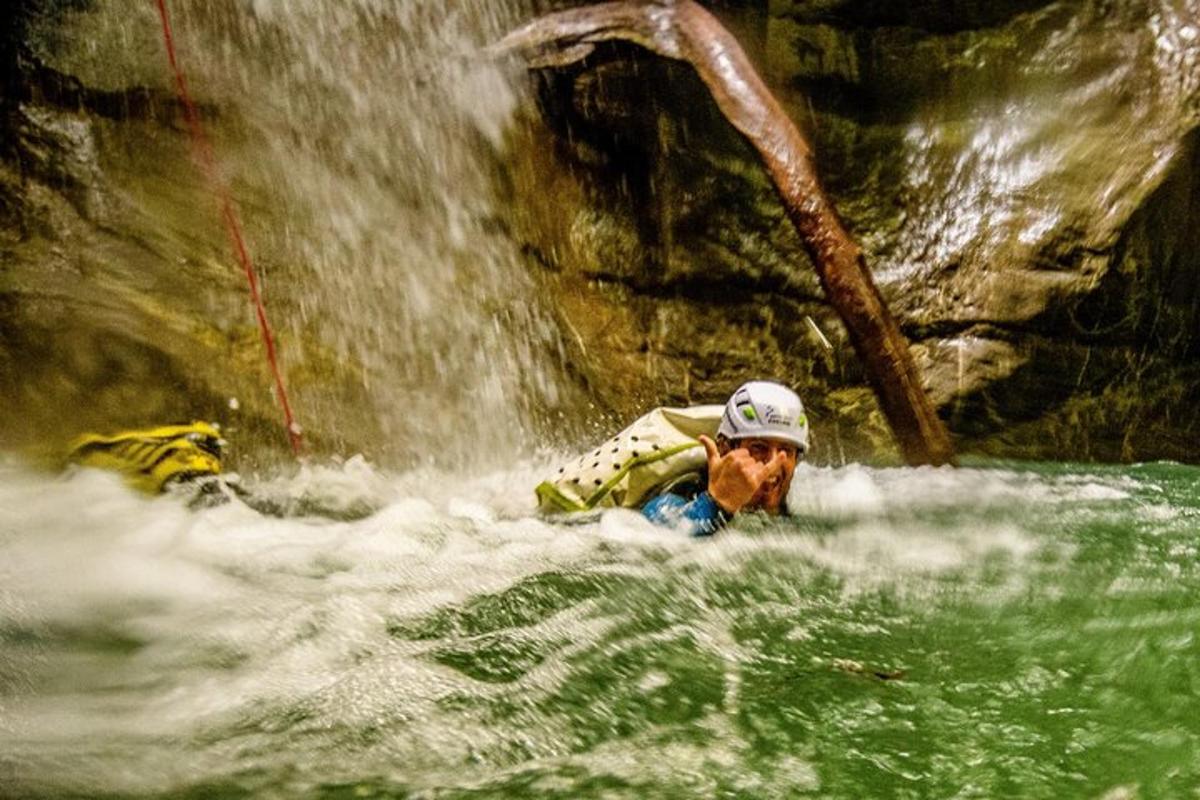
pixel 151 459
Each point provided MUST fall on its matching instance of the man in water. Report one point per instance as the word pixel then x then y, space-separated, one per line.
pixel 763 433
pixel 694 467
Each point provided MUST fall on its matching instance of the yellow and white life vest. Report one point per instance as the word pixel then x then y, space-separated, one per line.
pixel 654 452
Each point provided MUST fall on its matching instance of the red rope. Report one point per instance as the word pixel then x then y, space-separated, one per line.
pixel 232 225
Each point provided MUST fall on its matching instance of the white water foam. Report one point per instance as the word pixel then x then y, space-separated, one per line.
pixel 155 626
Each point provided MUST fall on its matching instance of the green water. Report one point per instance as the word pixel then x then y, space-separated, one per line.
pixel 1066 675
pixel 1006 630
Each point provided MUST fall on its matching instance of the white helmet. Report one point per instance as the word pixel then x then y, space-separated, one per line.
pixel 766 409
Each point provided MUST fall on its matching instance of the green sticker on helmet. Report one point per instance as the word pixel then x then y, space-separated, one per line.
pixel 748 412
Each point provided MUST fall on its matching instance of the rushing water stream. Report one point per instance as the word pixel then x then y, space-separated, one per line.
pixel 997 631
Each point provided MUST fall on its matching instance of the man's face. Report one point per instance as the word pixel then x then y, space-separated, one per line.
pixel 772 493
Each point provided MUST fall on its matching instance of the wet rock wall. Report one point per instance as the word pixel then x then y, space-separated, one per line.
pixel 1022 176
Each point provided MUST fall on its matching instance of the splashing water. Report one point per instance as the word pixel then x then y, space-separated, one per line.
pixel 982 632
pixel 390 193
pixel 363 141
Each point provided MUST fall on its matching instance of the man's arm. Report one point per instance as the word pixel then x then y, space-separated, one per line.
pixel 699 517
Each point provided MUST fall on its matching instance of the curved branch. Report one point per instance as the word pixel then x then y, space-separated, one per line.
pixel 683 30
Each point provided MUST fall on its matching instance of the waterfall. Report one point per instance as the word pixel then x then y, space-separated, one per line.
pixel 363 142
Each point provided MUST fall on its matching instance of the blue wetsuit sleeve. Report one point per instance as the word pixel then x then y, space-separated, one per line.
pixel 699 517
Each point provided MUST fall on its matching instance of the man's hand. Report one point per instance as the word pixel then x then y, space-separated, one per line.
pixel 734 478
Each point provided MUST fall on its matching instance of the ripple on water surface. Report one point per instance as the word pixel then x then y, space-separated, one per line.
pixel 1006 630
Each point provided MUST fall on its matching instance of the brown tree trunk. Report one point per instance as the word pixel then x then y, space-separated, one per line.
pixel 682 29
